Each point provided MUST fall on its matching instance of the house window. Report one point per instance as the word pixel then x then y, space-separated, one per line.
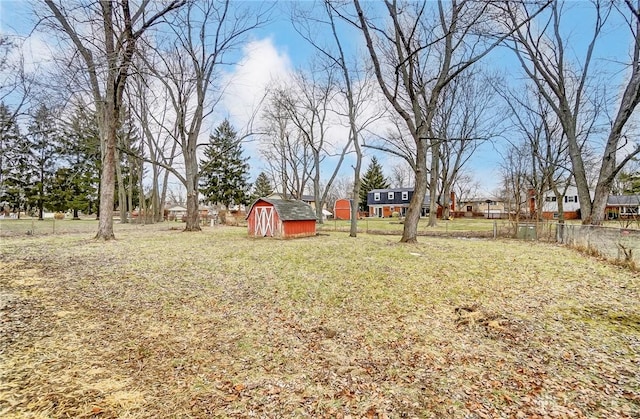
pixel 390 195
pixel 405 195
pixel 550 199
pixel 376 196
pixel 556 215
pixel 469 208
pixel 570 199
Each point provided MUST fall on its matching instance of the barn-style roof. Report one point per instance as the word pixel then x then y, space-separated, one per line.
pixel 289 210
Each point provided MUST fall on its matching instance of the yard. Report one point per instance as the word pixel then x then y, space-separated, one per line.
pixel 162 323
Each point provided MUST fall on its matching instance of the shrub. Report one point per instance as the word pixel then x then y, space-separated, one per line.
pixel 58 216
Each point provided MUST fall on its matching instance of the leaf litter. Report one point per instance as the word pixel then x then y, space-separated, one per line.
pixel 168 324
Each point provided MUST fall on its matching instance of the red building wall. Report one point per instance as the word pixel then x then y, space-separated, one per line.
pixel 342 209
pixel 299 228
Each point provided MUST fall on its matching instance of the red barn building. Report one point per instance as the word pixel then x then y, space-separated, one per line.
pixel 281 218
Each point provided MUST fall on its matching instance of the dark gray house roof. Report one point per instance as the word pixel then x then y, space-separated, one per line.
pixel 623 200
pixel 289 210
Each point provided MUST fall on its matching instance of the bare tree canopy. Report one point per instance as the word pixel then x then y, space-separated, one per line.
pixel 565 79
pixel 416 51
pixel 106 52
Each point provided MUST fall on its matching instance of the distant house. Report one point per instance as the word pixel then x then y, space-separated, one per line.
pixel 176 212
pixel 622 206
pixel 482 207
pixel 384 202
pixel 570 205
pixel 281 218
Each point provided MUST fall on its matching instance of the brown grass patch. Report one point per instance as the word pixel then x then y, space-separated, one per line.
pixel 162 323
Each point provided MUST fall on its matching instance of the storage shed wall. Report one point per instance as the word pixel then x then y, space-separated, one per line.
pixel 342 209
pixel 251 219
pixel 299 228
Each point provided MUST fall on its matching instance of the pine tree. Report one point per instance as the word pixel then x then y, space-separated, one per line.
pixel 224 171
pixel 43 137
pixel 14 151
pixel 262 187
pixel 372 179
pixel 80 148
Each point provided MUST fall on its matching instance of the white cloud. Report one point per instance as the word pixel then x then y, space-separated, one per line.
pixel 261 64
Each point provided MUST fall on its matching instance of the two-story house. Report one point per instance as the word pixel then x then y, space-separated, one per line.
pixel 570 205
pixel 384 202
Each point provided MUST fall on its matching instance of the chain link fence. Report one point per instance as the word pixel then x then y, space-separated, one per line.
pixel 619 244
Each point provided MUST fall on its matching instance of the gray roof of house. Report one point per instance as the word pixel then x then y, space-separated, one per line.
pixel 623 200
pixel 392 190
pixel 426 197
pixel 289 210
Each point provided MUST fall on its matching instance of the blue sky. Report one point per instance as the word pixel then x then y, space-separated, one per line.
pixel 277 49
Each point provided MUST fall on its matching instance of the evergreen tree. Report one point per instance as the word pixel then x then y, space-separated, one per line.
pixel 80 148
pixel 14 157
pixel 262 187
pixel 43 137
pixel 224 171
pixel 628 183
pixel 372 179
pixel 127 176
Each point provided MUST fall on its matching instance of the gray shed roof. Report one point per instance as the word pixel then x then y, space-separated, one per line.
pixel 289 210
pixel 623 200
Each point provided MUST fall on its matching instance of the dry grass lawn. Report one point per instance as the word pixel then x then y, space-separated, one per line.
pixel 167 324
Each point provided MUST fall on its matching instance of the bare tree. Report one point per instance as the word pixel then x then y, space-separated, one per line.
pixel 464 119
pixel 546 144
pixel 16 84
pixel 352 81
pixel 548 58
pixel 107 59
pixel 288 156
pixel 152 111
pixel 466 187
pixel 416 53
pixel 202 38
pixel 400 176
pixel 515 170
pixel 307 105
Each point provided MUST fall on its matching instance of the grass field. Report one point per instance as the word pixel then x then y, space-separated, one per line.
pixel 477 226
pixel 161 323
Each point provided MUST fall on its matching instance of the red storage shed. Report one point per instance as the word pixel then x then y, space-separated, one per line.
pixel 342 209
pixel 281 218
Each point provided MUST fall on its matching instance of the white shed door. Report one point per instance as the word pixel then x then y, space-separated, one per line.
pixel 265 223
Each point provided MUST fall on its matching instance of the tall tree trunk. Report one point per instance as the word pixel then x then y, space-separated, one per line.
pixel 191 177
pixel 107 177
pixel 409 233
pixel 130 187
pixel 163 196
pixel 142 202
pixel 446 200
pixel 434 175
pixel 122 195
pixel 353 230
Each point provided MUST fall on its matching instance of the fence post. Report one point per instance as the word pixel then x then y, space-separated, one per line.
pixel 560 233
pixel 495 229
